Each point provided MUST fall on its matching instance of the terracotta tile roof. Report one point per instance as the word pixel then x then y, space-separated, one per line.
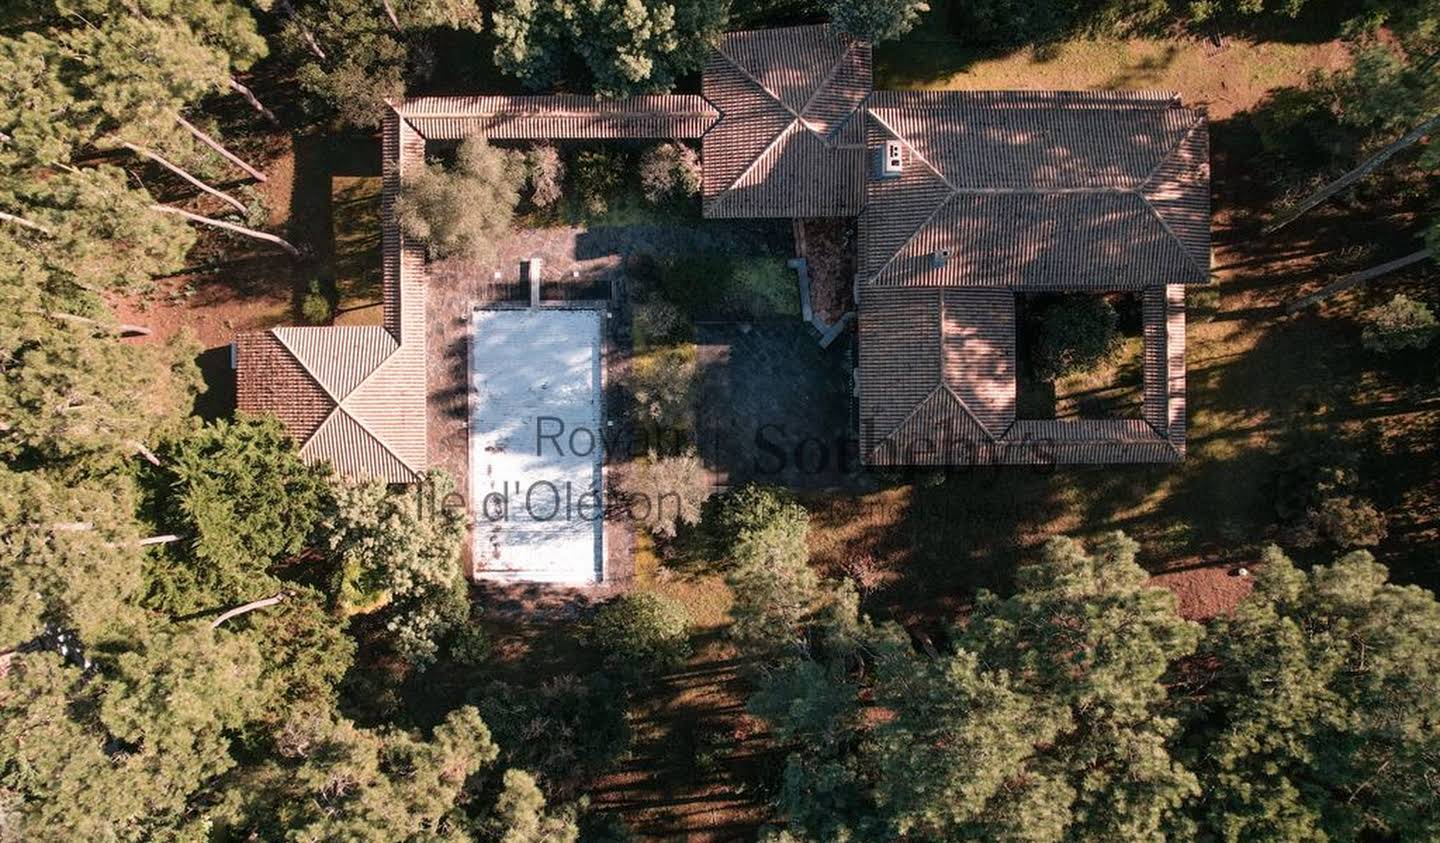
pixel 1026 190
pixel 1038 190
pixel 937 364
pixel 782 146
pixel 369 380
pixel 269 379
pixel 558 117
pixel 936 385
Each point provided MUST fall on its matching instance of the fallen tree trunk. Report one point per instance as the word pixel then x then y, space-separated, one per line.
pixel 124 329
pixel 24 223
pixel 1368 166
pixel 221 150
pixel 230 226
pixel 304 30
pixel 172 167
pixel 254 101
pixel 278 597
pixel 1355 279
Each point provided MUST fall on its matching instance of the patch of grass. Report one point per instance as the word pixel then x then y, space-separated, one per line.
pixel 663 382
pixel 355 225
pixel 1112 390
pixel 720 286
pixel 707 598
pixel 1229 80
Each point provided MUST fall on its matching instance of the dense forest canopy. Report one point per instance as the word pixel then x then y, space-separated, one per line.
pixel 205 637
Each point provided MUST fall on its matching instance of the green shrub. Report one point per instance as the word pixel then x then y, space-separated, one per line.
pixel 471 645
pixel 732 522
pixel 658 322
pixel 1077 333
pixel 665 492
pixel 315 306
pixel 464 210
pixel 582 721
pixel 1314 465
pixel 1399 324
pixel 663 383
pixel 596 177
pixel 641 633
pixel 669 171
pixel 1344 521
pixel 762 538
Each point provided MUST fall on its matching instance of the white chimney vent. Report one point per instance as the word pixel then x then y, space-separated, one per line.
pixel 892 160
pixel 939 257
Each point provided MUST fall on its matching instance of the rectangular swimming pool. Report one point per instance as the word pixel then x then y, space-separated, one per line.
pixel 536 493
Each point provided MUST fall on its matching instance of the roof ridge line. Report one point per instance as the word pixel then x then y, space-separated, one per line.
pixel 1170 153
pixel 758 158
pixel 1045 191
pixel 720 49
pixel 901 138
pixel 825 82
pixel 365 427
pixel 911 236
pixel 913 412
pixel 306 368
pixel 1185 250
pixel 966 407
pixel 931 167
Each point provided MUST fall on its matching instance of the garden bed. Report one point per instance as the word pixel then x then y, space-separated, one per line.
pixel 828 246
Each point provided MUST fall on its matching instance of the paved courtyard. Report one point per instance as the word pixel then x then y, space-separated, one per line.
pixel 774 406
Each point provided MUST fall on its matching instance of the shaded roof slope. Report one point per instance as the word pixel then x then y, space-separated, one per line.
pixel 1038 190
pixel 558 117
pixel 788 140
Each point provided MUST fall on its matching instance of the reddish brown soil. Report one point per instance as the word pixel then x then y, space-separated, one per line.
pixel 1205 589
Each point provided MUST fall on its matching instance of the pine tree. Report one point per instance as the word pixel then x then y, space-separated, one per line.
pixel 71 394
pixel 1320 723
pixel 243 500
pixel 876 20
pixel 625 47
pixel 1045 719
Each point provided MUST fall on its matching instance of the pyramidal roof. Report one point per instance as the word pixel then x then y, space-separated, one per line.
pixel 787 143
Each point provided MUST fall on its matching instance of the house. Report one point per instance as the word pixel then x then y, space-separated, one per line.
pixel 964 200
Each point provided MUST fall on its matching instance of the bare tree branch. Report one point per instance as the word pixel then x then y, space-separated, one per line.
pixel 1355 279
pixel 230 226
pixel 254 101
pixel 278 597
pixel 24 223
pixel 221 150
pixel 1366 167
pixel 145 452
pixel 160 159
pixel 390 13
pixel 304 30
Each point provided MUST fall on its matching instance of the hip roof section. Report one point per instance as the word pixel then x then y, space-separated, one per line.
pixel 787 143
pixel 1037 190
